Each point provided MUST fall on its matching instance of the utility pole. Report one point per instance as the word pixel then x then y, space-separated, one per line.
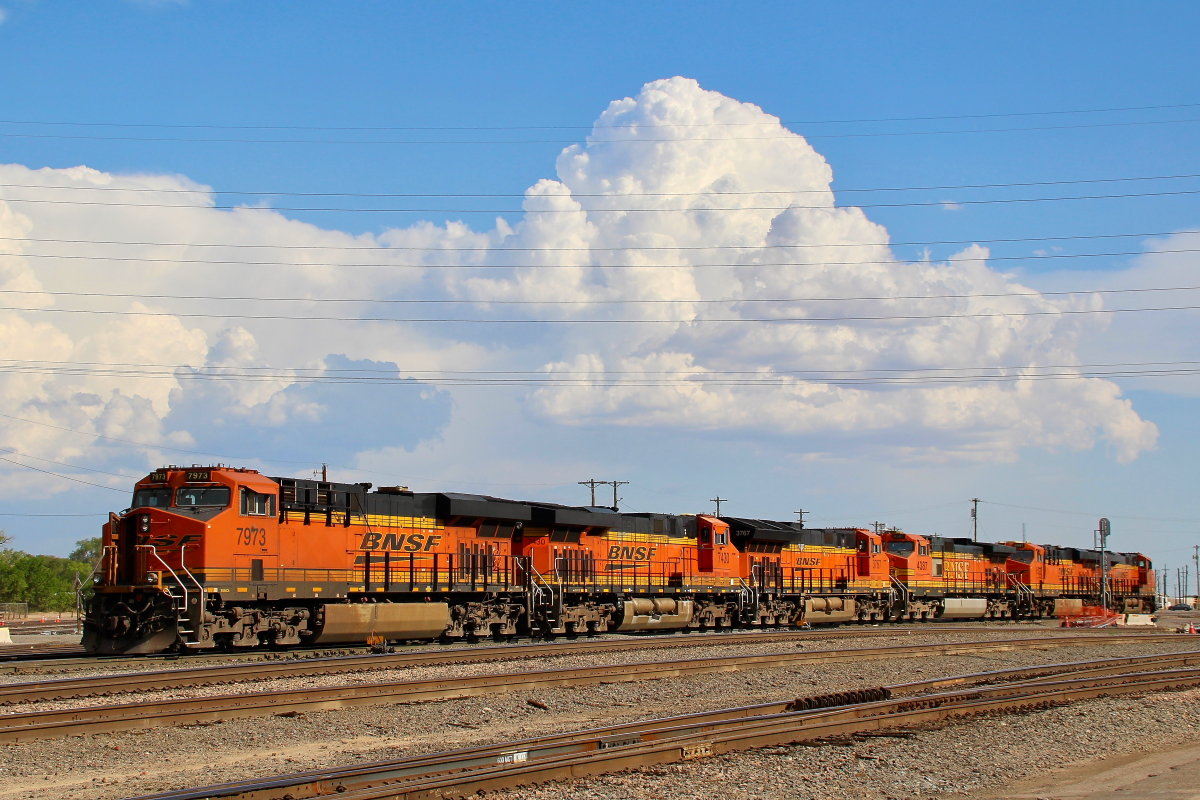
pixel 615 484
pixel 1196 558
pixel 975 519
pixel 1105 529
pixel 878 527
pixel 718 500
pixel 1024 538
pixel 800 513
pixel 592 484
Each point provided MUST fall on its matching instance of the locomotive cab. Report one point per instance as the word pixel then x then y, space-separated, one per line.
pixel 149 585
pixel 909 558
pixel 1026 567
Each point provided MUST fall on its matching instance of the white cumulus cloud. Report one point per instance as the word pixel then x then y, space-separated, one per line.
pixel 679 197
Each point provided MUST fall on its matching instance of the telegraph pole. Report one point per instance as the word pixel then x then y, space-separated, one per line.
pixel 1105 529
pixel 592 484
pixel 878 527
pixel 801 514
pixel 615 484
pixel 718 500
pixel 1196 558
pixel 975 519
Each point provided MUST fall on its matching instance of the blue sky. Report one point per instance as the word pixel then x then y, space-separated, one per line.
pixel 511 85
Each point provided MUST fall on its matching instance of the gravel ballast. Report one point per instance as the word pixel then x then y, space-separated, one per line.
pixel 117 765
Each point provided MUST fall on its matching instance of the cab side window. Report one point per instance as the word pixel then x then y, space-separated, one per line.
pixel 254 504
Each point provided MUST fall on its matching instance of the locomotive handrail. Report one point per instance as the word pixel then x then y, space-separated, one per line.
pixel 538 591
pixel 167 566
pixel 751 594
pixel 199 590
pixel 1020 585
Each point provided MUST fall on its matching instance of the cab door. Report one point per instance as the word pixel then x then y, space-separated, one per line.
pixel 704 545
pixel 863 555
pixel 256 543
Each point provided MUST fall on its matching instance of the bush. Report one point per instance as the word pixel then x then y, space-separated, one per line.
pixel 46 583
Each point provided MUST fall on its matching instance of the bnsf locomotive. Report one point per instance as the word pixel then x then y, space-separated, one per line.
pixel 215 557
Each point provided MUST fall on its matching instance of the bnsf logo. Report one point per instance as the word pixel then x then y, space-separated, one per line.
pixel 631 553
pixel 397 542
pixel 808 562
pixel 170 540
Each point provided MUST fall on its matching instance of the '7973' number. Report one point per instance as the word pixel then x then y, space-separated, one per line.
pixel 252 536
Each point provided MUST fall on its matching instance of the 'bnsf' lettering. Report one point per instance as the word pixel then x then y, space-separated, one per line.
pixel 643 553
pixel 397 542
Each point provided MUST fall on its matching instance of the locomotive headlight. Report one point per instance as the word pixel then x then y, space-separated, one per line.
pixel 152 578
pixel 145 523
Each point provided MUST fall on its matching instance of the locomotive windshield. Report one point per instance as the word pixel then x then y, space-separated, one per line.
pixel 1024 556
pixel 189 496
pixel 152 498
pixel 900 548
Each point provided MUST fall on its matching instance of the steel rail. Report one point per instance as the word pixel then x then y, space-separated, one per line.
pixel 25 726
pixel 750 735
pixel 15 653
pixel 70 657
pixel 64 657
pixel 362 781
pixel 185 676
pixel 1081 669
pixel 75 658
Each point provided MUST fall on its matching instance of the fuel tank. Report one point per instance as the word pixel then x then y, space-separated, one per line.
pixel 655 613
pixel 354 622
pixel 964 607
pixel 818 610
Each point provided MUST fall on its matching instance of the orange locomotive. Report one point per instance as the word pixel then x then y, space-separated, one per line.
pixel 217 557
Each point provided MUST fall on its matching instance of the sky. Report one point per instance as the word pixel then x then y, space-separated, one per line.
pixel 865 260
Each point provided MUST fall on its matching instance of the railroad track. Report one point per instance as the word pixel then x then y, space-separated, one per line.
pixel 268 669
pixel 878 711
pixel 15 653
pixel 25 726
pixel 75 658
pixel 72 658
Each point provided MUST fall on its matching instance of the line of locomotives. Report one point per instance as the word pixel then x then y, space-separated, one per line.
pixel 217 557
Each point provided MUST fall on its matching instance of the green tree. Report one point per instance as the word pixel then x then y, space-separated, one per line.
pixel 87 550
pixel 46 583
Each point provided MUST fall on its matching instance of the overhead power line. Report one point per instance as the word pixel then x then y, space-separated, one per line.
pixel 57 475
pixel 609 378
pixel 746 265
pixel 600 302
pixel 691 210
pixel 706 193
pixel 76 123
pixel 246 459
pixel 1091 514
pixel 600 321
pixel 593 139
pixel 62 463
pixel 654 248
